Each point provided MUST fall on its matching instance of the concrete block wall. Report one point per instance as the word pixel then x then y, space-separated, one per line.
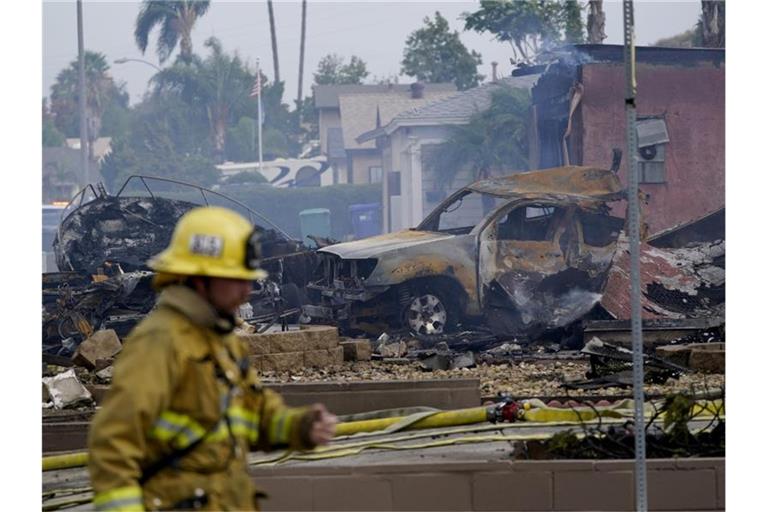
pixel 673 484
pixel 311 346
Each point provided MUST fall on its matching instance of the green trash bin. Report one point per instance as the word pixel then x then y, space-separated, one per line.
pixel 317 222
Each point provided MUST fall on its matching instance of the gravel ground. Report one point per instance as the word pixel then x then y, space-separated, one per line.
pixel 526 378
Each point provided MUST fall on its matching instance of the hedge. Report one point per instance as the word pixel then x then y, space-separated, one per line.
pixel 283 205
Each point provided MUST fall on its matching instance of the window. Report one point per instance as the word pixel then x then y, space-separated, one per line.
pixel 375 174
pixel 464 213
pixel 532 223
pixel 600 230
pixel 652 140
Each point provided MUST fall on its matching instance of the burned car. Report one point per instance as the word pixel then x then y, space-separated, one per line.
pixel 520 255
pixel 104 240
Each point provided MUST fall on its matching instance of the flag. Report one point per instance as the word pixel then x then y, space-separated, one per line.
pixel 256 89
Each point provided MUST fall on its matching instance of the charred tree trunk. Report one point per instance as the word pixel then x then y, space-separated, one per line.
pixel 273 35
pixel 596 22
pixel 713 23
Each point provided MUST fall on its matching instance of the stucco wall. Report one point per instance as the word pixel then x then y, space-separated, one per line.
pixel 692 100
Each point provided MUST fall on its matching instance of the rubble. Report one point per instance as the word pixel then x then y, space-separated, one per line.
pixel 611 365
pixel 707 357
pixel 101 345
pixel 65 390
pixel 104 241
pixel 356 349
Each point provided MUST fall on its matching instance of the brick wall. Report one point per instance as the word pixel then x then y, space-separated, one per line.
pixel 311 346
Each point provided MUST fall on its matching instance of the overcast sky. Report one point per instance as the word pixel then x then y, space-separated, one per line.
pixel 374 31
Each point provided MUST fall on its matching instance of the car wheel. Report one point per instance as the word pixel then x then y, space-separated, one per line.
pixel 429 313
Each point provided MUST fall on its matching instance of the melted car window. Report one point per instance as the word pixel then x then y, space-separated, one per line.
pixel 464 213
pixel 533 222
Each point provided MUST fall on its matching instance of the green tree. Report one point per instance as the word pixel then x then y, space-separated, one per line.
pixel 435 54
pixel 493 139
pixel 529 26
pixel 102 95
pixel 176 19
pixel 52 137
pixel 332 70
pixel 217 87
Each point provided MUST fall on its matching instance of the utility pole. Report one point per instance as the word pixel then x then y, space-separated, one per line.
pixel 301 53
pixel 81 97
pixel 641 498
pixel 273 35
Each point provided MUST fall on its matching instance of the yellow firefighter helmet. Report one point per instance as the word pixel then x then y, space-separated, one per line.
pixel 212 241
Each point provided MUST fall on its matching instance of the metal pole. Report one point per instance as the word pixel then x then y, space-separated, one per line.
pixel 81 97
pixel 258 106
pixel 301 54
pixel 641 499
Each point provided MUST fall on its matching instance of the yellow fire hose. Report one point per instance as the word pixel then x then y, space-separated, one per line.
pixel 532 411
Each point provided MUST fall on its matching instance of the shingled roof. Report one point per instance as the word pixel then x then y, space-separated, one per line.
pixel 327 96
pixel 363 112
pixel 454 109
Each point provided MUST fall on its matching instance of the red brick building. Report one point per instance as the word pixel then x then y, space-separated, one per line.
pixel 681 123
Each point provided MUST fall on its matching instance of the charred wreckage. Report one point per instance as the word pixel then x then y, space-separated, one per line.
pixel 528 255
pixel 103 242
pixel 532 255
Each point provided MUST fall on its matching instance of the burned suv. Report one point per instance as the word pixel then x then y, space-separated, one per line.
pixel 522 254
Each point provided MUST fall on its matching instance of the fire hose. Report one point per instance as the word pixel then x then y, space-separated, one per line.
pixel 508 411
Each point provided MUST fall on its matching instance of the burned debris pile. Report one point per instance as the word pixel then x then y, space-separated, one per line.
pixel 104 241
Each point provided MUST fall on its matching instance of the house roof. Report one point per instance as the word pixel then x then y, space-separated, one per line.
pixel 327 96
pixel 102 146
pixel 364 112
pixel 454 109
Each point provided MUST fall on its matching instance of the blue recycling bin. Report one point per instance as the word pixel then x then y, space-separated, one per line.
pixel 365 219
pixel 317 222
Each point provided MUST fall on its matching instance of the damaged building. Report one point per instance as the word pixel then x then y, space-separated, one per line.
pixel 578 117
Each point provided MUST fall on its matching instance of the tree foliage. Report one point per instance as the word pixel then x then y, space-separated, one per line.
pixel 52 136
pixel 495 139
pixel 529 26
pixel 106 101
pixel 216 88
pixel 332 70
pixel 176 19
pixel 435 54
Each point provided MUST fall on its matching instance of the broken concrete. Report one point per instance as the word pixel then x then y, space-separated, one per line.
pixel 66 390
pixel 100 345
pixel 356 349
pixel 396 349
pixel 707 357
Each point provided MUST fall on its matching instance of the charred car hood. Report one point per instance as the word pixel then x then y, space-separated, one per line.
pixel 380 246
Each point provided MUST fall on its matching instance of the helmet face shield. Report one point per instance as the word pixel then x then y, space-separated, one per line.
pixel 253 249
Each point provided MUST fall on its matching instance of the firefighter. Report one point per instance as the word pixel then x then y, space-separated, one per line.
pixel 185 407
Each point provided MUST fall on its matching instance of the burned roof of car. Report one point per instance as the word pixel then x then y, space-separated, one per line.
pixel 576 182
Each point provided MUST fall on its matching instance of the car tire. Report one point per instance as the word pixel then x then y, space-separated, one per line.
pixel 429 311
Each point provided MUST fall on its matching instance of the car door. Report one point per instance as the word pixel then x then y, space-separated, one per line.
pixel 525 252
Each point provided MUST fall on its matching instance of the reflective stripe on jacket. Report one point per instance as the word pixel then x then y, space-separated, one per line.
pixel 178 381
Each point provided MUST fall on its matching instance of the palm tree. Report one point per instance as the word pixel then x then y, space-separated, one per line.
pixel 596 22
pixel 494 139
pixel 219 86
pixel 100 89
pixel 176 19
pixel 273 35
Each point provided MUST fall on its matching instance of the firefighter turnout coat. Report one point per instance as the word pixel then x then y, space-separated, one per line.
pixel 184 380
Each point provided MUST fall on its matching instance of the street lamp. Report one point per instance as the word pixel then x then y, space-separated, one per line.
pixel 123 60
